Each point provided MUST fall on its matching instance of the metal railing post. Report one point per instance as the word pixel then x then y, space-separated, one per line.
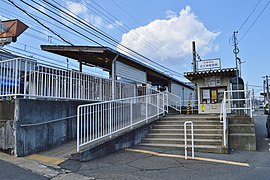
pixel 131 113
pixel 163 105
pixel 167 101
pixel 146 107
pixel 158 103
pixel 192 138
pixel 16 77
pixel 251 115
pixel 110 119
pixel 224 120
pixel 78 129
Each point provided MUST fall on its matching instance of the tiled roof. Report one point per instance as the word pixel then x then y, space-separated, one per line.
pixel 228 72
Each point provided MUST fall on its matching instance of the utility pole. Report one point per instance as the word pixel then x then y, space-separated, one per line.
pixel 194 57
pixel 236 51
pixel 266 86
pixel 264 91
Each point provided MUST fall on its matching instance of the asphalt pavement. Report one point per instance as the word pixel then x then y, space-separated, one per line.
pixel 10 171
pixel 128 164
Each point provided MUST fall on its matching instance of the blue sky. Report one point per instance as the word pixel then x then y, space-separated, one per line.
pixel 167 27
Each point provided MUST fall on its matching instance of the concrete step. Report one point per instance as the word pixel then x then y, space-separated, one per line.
pixel 197 148
pixel 181 122
pixel 196 126
pixel 191 118
pixel 241 128
pixel 196 131
pixel 182 141
pixel 181 135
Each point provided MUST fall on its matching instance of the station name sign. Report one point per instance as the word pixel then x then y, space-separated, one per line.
pixel 209 64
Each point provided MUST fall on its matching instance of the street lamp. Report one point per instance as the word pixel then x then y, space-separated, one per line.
pixel 240 62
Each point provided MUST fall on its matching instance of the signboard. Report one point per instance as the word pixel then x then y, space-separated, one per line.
pixel 212 81
pixel 209 64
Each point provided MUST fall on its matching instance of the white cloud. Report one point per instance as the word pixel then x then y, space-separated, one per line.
pixel 170 14
pixel 76 8
pixel 80 9
pixel 172 37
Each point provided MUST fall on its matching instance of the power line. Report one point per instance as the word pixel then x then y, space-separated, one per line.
pixel 27 13
pixel 135 20
pixel 254 21
pixel 249 15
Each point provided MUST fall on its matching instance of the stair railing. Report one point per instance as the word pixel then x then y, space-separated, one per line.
pixel 223 119
pixel 192 138
pixel 174 101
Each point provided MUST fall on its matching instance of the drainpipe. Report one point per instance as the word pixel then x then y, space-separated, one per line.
pixel 113 76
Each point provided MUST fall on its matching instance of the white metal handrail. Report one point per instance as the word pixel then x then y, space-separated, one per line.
pixel 192 138
pixel 174 101
pixel 99 120
pixel 29 78
pixel 223 116
pixel 246 104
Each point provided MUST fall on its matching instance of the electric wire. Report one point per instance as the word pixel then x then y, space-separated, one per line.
pixel 249 15
pixel 27 13
pixel 254 21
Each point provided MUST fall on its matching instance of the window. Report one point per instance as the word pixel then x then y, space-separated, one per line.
pixel 212 95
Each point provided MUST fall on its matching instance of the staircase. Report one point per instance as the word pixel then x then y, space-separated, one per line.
pixel 169 132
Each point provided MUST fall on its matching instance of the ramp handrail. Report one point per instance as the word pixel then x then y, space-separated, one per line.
pixel 192 138
pixel 174 101
pixel 99 120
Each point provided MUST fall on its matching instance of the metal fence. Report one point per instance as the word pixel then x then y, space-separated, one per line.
pixel 29 78
pixel 99 120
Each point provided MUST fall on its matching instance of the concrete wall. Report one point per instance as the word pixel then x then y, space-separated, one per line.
pixel 7 129
pixel 35 138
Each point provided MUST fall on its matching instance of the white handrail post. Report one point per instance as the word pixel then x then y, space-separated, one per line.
pixel 192 138
pixel 158 104
pixel 224 120
pixel 16 78
pixel 163 104
pixel 78 129
pixel 180 104
pixel 146 107
pixel 167 101
pixel 131 113
pixel 110 119
pixel 251 115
